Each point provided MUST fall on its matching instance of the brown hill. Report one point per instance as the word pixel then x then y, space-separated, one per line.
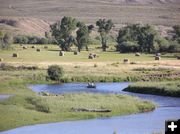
pixel 146 1
pixel 24 25
pixel 20 16
pixel 158 12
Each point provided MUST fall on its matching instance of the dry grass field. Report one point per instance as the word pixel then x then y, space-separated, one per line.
pixel 32 17
pixel 158 12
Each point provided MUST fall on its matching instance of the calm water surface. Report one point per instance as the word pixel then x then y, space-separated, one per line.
pixel 144 123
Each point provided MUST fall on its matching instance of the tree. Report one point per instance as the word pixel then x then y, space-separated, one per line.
pixel 174 47
pixel 43 41
pixel 146 38
pixel 128 46
pixel 47 35
pixel 162 45
pixel 55 72
pixel 1 38
pixel 176 31
pixel 83 37
pixel 104 28
pixel 33 40
pixel 6 40
pixel 62 31
pixel 21 39
pixel 143 36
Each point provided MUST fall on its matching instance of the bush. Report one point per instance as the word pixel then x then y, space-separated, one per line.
pixel 21 39
pixel 163 45
pixel 43 41
pixel 128 47
pixel 174 47
pixel 55 72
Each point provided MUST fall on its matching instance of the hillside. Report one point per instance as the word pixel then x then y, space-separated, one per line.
pixel 24 25
pixel 158 12
pixel 146 1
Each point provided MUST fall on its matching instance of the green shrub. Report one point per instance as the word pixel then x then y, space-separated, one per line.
pixel 55 72
pixel 21 39
pixel 43 41
pixel 127 47
pixel 174 47
pixel 163 45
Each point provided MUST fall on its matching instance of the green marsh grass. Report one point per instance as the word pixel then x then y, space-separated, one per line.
pixel 165 88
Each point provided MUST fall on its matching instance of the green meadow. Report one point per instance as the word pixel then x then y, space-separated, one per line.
pixel 51 55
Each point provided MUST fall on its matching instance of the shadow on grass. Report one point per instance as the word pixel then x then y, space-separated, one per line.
pixel 53 50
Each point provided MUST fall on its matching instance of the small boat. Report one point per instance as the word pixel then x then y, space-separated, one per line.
pixel 91 85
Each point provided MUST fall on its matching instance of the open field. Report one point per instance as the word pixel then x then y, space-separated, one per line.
pixel 152 11
pixel 108 67
pixel 51 55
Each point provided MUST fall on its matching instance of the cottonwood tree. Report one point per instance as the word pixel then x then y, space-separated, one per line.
pixel 176 31
pixel 104 28
pixel 146 38
pixel 1 38
pixel 6 40
pixel 62 31
pixel 83 37
pixel 137 38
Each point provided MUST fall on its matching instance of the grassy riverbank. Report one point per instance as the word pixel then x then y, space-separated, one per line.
pixel 27 108
pixel 157 88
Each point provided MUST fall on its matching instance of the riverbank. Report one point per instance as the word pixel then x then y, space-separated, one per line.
pixel 165 88
pixel 27 108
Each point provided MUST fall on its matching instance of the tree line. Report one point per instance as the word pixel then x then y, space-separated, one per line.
pixel 139 38
pixel 62 31
pixel 6 39
pixel 131 38
pixel 22 39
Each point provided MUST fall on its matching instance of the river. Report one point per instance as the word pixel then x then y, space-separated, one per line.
pixel 142 123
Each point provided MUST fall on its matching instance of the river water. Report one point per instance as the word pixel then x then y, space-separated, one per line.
pixel 143 123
